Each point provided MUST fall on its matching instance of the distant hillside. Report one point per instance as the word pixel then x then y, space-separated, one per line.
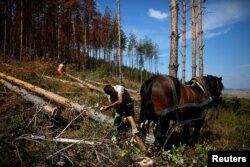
pixel 240 93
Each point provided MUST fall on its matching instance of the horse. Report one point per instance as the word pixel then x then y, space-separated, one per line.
pixel 166 102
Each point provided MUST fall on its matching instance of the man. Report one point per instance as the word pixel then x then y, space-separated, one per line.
pixel 61 69
pixel 123 103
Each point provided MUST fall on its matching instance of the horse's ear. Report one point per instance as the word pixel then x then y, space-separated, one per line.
pixel 220 78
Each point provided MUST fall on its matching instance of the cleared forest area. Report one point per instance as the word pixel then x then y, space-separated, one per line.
pixel 30 137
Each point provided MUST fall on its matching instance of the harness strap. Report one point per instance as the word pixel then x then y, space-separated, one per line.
pixel 180 106
pixel 175 107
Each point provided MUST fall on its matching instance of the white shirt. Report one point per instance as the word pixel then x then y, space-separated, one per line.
pixel 119 88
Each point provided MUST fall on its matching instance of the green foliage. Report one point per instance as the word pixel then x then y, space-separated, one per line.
pixel 185 156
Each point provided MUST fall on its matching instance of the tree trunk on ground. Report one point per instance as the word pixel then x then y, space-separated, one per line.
pixel 97 116
pixel 39 102
pixel 193 39
pixel 85 83
pixel 50 95
pixel 173 66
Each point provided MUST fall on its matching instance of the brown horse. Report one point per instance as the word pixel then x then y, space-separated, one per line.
pixel 167 102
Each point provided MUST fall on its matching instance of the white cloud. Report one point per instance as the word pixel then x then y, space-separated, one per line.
pixel 210 34
pixel 221 15
pixel 224 13
pixel 156 14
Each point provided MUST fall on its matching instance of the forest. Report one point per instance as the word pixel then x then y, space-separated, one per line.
pixel 72 32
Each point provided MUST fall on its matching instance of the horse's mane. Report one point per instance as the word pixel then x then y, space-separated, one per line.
pixel 212 82
pixel 213 79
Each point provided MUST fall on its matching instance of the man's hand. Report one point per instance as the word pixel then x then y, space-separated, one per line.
pixel 104 108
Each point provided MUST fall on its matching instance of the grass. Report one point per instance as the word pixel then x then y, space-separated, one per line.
pixel 227 128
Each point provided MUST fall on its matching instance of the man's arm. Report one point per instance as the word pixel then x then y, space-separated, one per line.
pixel 116 103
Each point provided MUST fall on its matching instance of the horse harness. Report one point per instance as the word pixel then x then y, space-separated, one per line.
pixel 177 106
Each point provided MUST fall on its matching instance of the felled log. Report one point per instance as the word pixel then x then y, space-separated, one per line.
pixel 49 109
pixel 102 84
pixel 85 83
pixel 50 95
pixel 65 81
pixel 97 116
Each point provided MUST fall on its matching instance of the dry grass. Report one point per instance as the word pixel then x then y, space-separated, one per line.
pixel 228 128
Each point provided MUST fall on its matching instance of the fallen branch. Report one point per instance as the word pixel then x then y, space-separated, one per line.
pixel 63 140
pixel 39 102
pixel 69 125
pixel 60 151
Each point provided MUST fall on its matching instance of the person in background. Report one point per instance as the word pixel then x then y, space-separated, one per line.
pixel 61 69
pixel 123 104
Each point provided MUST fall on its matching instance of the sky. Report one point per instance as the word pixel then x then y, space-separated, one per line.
pixel 226 27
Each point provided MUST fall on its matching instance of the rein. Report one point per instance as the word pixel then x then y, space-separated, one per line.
pixel 180 106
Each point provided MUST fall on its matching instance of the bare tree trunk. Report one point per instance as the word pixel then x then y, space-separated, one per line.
pixel 184 45
pixel 173 66
pixel 119 43
pixel 5 34
pixel 193 39
pixel 58 43
pixel 21 32
pixel 200 34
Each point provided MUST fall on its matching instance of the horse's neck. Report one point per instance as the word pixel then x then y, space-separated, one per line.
pixel 201 83
pixel 206 87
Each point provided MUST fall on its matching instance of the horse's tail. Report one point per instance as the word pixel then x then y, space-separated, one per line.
pixel 146 103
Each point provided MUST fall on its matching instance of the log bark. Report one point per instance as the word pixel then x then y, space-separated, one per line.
pixel 49 109
pixel 90 82
pixel 92 113
pixel 65 81
pixel 50 95
pixel 85 83
pixel 97 116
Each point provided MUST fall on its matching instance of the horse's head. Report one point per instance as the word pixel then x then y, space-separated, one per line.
pixel 215 87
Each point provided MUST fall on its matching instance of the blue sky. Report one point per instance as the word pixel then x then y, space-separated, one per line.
pixel 226 26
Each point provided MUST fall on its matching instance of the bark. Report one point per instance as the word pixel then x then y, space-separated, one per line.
pixel 21 32
pixel 173 66
pixel 65 81
pixel 5 34
pixel 85 83
pixel 102 84
pixel 50 95
pixel 119 43
pixel 92 113
pixel 184 45
pixel 193 39
pixel 39 102
pixel 200 34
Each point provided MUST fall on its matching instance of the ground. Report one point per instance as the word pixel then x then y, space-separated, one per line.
pixel 227 126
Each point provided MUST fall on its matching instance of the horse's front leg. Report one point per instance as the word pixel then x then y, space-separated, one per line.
pixel 198 124
pixel 186 132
